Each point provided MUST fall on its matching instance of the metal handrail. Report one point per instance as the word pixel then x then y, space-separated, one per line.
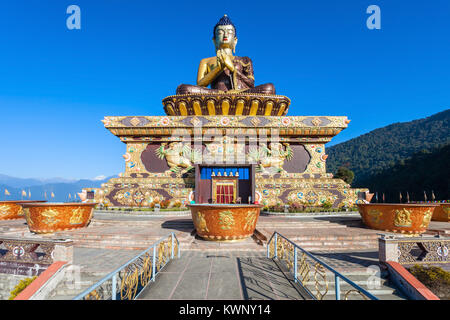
pixel 337 274
pixel 113 275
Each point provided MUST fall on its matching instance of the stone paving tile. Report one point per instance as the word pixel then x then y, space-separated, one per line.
pixel 224 265
pixel 254 284
pixel 101 260
pixel 192 286
pixel 262 279
pixel 199 265
pixel 224 286
pixel 162 288
pixel 176 266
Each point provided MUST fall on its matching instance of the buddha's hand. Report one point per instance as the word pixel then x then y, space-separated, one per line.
pixel 219 63
pixel 225 59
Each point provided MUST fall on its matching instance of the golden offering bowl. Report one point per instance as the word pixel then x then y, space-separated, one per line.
pixel 225 222
pixel 10 210
pixel 442 213
pixel 407 218
pixel 52 217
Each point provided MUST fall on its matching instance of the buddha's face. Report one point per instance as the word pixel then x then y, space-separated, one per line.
pixel 225 37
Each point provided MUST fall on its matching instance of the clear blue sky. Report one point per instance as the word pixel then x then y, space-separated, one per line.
pixel 57 84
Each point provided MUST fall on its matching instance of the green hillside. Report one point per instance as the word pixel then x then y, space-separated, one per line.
pixel 424 171
pixel 372 153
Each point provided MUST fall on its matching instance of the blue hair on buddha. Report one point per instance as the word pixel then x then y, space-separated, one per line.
pixel 224 21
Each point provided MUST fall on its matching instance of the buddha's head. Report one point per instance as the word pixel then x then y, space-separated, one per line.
pixel 224 34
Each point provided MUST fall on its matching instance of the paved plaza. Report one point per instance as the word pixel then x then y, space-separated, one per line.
pixel 231 276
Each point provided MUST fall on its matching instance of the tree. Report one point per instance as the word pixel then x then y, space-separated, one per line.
pixel 345 174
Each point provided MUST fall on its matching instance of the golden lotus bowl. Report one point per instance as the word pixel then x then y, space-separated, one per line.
pixel 52 217
pixel 442 213
pixel 225 222
pixel 237 104
pixel 10 210
pixel 405 218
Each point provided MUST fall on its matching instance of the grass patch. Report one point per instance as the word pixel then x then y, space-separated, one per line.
pixel 434 278
pixel 20 287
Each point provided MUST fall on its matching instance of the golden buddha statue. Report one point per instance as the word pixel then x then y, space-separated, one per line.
pixel 225 72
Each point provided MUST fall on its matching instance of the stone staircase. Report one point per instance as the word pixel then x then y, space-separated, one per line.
pixel 379 286
pixel 324 235
pixel 316 235
pixel 70 287
pixel 125 235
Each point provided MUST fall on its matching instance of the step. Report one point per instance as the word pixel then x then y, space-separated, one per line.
pixel 86 280
pixel 384 292
pixel 381 295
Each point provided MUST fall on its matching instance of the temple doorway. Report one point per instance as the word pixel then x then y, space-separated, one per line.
pixel 224 189
pixel 224 184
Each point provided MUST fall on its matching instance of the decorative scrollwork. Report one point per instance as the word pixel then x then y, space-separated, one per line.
pixel 93 295
pixel 303 270
pixel 175 246
pixel 354 291
pixel 130 282
pixel 271 249
pixel 289 258
pixel 404 249
pixel 280 249
pixel 320 271
pixel 161 256
pixel 136 274
pixel 146 273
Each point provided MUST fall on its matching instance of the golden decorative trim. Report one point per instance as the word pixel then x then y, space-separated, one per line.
pixel 426 218
pixel 402 218
pixel 226 220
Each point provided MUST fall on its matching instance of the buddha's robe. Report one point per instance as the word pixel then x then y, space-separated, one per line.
pixel 241 80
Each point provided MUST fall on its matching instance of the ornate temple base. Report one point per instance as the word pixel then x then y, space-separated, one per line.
pixel 162 152
pixel 176 191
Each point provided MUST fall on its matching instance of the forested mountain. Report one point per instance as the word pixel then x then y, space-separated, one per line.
pixel 424 171
pixel 372 153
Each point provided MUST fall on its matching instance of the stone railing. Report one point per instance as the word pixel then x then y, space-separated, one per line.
pixel 414 250
pixel 30 257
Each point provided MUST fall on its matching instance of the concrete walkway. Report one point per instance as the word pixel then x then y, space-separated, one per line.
pixel 235 275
